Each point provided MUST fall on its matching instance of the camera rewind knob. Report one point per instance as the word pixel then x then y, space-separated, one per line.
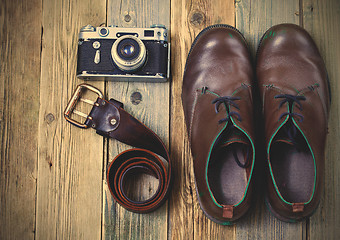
pixel 88 28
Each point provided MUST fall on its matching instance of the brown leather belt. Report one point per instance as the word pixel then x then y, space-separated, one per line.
pixel 150 155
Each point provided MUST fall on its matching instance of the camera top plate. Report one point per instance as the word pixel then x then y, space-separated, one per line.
pixel 154 33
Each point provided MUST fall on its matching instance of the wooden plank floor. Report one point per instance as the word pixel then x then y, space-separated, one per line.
pixel 52 174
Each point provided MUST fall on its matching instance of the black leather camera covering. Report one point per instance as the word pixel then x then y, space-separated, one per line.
pixel 156 61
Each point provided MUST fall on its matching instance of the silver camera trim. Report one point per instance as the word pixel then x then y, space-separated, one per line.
pixel 122 78
pixel 88 32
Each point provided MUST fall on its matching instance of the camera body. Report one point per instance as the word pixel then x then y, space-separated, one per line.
pixel 124 54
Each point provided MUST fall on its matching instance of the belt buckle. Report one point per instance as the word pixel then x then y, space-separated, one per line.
pixel 73 101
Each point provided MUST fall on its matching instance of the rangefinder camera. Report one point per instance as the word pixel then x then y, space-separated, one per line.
pixel 124 54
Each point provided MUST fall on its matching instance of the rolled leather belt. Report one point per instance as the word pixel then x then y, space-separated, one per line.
pixel 150 156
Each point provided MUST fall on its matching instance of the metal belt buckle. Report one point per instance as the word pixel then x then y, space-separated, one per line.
pixel 77 97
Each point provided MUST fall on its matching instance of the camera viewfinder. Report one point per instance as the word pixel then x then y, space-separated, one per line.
pixel 148 33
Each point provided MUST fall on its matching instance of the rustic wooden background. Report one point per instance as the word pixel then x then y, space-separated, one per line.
pixel 52 174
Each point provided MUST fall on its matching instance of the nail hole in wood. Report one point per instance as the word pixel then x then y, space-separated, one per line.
pixel 197 18
pixel 49 161
pixel 136 98
pixel 127 18
pixel 49 118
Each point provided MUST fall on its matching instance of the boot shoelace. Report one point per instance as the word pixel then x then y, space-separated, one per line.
pixel 290 129
pixel 230 101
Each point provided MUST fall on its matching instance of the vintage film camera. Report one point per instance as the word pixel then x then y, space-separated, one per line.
pixel 124 54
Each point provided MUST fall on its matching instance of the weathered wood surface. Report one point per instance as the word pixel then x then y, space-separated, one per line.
pixel 19 110
pixel 253 18
pixel 188 18
pixel 322 20
pixel 70 159
pixel 148 102
pixel 53 175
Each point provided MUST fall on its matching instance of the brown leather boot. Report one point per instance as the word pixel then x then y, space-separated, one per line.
pixel 295 92
pixel 218 108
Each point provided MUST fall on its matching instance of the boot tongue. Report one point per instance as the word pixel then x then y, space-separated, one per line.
pixel 241 153
pixel 285 140
pixel 290 134
pixel 236 136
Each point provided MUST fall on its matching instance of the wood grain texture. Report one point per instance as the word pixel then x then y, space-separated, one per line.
pixel 152 108
pixel 53 175
pixel 19 111
pixel 253 18
pixel 187 220
pixel 70 159
pixel 322 20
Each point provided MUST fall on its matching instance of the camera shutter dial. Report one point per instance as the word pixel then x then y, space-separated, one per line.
pixel 128 53
pixel 158 26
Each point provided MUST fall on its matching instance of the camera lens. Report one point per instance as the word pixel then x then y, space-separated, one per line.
pixel 128 53
pixel 128 50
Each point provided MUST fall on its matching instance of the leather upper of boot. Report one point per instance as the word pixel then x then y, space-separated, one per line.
pixel 295 94
pixel 217 102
